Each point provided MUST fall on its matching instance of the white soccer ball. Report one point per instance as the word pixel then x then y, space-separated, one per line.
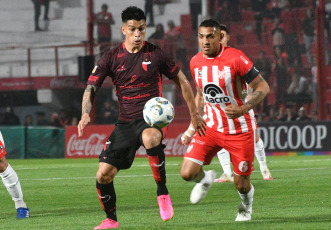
pixel 158 112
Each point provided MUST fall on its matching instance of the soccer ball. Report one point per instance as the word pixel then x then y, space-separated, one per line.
pixel 158 112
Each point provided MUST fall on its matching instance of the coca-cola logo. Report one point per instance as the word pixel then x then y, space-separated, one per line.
pixel 174 147
pixel 89 147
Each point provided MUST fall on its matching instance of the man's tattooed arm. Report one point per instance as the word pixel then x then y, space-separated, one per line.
pixel 260 90
pixel 88 98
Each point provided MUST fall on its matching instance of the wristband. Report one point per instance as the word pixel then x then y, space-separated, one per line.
pixel 191 128
pixel 187 134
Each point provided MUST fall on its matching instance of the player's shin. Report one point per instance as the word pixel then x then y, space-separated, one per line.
pixel 13 185
pixel 247 199
pixel 107 197
pixel 260 154
pixel 157 162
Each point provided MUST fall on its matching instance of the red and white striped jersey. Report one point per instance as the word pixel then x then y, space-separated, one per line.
pixel 221 80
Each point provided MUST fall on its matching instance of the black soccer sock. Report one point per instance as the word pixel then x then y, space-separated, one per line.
pixel 157 162
pixel 107 197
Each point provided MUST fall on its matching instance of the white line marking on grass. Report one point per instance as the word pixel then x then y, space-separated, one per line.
pixel 150 175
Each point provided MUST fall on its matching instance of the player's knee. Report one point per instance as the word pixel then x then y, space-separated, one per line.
pixel 104 178
pixel 151 138
pixel 187 174
pixel 3 165
pixel 243 189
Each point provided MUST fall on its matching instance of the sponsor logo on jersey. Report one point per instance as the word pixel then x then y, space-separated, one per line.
pixel 214 94
pixel 244 59
pixel 147 65
pixel 199 74
pixel 121 68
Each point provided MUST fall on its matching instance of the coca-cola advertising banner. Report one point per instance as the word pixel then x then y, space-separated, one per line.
pixel 95 136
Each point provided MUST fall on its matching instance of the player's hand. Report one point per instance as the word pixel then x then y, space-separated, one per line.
pixel 233 111
pixel 187 136
pixel 82 123
pixel 199 124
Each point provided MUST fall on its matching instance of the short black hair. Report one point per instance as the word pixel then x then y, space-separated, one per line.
pixel 210 23
pixel 225 28
pixel 133 13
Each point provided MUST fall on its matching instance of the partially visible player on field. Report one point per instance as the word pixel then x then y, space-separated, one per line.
pixel 224 156
pixel 222 75
pixel 136 68
pixel 12 183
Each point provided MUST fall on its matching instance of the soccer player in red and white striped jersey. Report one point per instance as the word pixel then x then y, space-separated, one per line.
pixel 221 75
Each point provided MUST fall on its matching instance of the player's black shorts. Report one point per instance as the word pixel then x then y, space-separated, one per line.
pixel 120 148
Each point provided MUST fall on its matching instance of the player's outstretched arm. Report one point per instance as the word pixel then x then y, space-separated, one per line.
pixel 261 90
pixel 197 121
pixel 87 103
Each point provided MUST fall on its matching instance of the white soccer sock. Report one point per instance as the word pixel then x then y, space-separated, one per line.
pixel 13 185
pixel 247 199
pixel 207 179
pixel 224 158
pixel 260 154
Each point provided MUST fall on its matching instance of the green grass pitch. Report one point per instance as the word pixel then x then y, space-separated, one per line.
pixel 61 194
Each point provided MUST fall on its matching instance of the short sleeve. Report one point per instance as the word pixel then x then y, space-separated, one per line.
pixel 244 67
pixel 99 72
pixel 168 66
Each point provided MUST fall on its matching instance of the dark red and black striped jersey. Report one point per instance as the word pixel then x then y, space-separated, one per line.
pixel 136 76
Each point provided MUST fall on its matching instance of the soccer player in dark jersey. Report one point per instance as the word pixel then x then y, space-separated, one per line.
pixel 136 68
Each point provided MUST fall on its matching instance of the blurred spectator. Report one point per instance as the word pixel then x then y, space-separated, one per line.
pixel 297 92
pixel 173 34
pixel 281 116
pixel 302 115
pixel 314 115
pixel 272 115
pixel 9 117
pixel 278 38
pixel 308 27
pixel 74 121
pixel 157 35
pixel 104 20
pixel 314 83
pixel 276 7
pixel 109 113
pixel 149 11
pixel 223 14
pixel 41 119
pixel 195 10
pixel 290 21
pixel 54 120
pixel 264 66
pixel 64 118
pixel 37 10
pixel 161 4
pixel 290 114
pixel 234 9
pixel 280 69
pixel 28 120
pixel 260 9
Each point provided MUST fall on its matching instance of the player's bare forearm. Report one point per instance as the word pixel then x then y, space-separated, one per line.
pixel 261 90
pixel 88 99
pixel 199 101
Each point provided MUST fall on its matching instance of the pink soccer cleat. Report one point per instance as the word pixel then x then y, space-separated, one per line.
pixel 107 224
pixel 165 205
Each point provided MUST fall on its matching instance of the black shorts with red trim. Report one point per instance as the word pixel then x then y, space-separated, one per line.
pixel 121 146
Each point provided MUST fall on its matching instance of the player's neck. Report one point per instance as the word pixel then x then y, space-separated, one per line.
pixel 132 49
